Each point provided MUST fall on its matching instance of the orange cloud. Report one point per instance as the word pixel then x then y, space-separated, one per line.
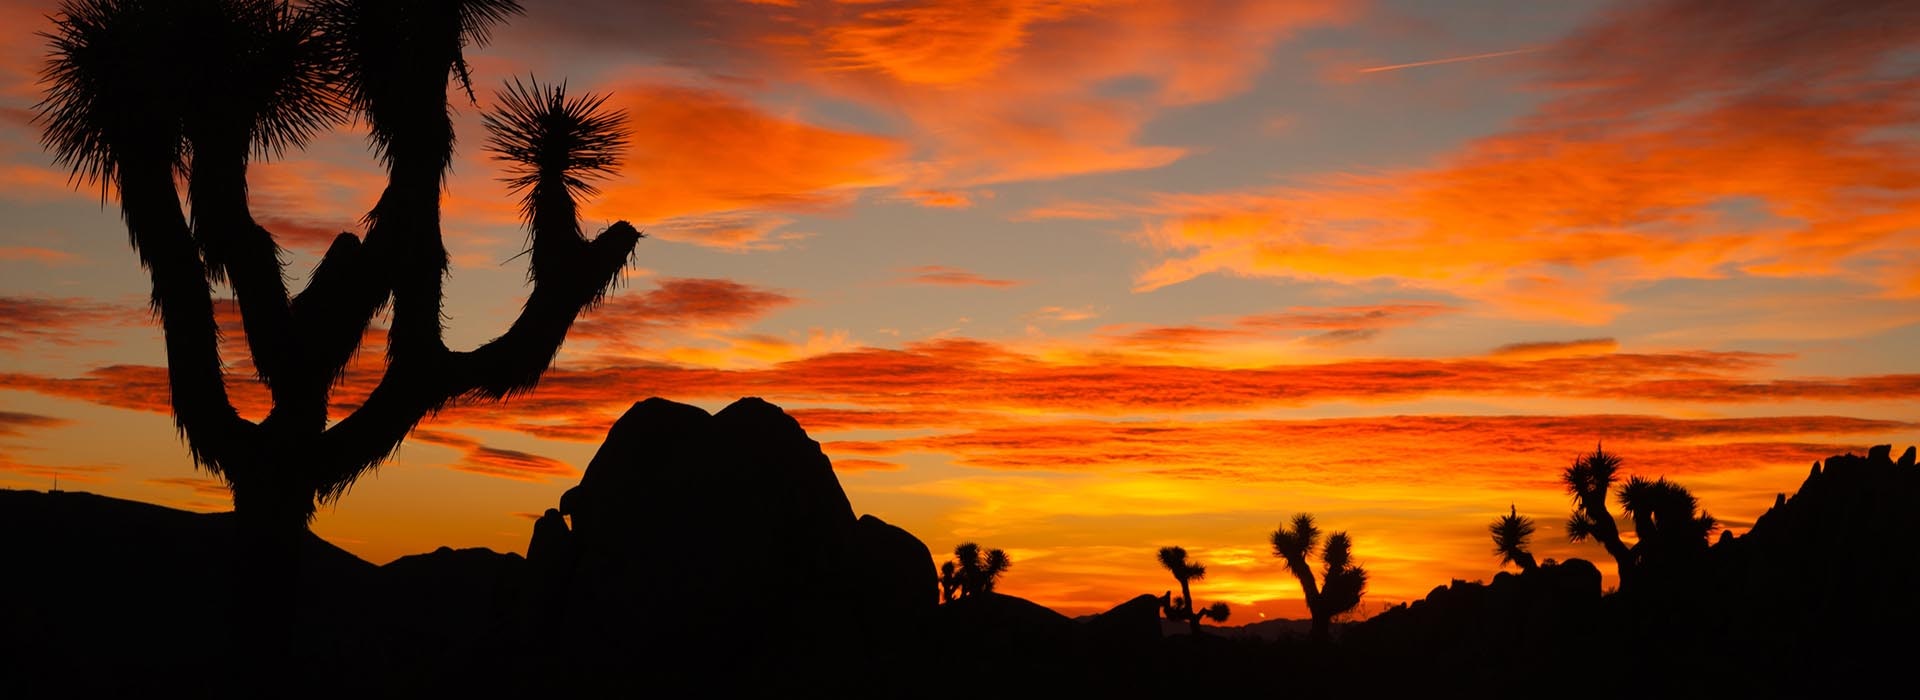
pixel 1759 156
pixel 944 276
pixel 697 152
pixel 43 256
pixel 677 303
pixel 863 465
pixel 942 199
pixel 210 488
pixel 976 376
pixel 997 91
pixel 1445 61
pixel 1332 325
pixel 1504 449
pixel 1174 338
pixel 1556 348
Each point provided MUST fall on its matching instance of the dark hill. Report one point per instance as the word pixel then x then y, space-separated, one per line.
pixel 717 554
pixel 102 593
pixel 1817 598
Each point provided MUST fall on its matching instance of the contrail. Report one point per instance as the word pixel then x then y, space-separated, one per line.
pixel 1455 59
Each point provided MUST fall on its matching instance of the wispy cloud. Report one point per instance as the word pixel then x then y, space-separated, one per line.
pixel 944 276
pixel 1444 61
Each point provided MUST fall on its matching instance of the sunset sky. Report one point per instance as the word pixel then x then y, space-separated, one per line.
pixel 1079 279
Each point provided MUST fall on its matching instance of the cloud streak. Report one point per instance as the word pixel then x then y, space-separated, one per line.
pixel 944 276
pixel 1445 61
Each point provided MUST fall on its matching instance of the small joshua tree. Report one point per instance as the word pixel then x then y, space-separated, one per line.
pixel 972 572
pixel 1589 480
pixel 1342 583
pixel 1668 524
pixel 1510 534
pixel 1186 571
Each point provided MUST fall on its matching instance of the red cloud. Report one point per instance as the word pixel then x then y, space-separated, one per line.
pixel 26 321
pixel 498 462
pixel 964 375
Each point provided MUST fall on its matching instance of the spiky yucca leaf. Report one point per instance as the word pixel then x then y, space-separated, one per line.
pixel 1591 475
pixel 1510 534
pixel 1579 527
pixel 545 136
pixel 1339 552
pixel 393 56
pixel 1173 558
pixel 285 79
pixel 997 563
pixel 968 554
pixel 1176 562
pixel 143 79
pixel 111 89
pixel 1219 612
pixel 1294 544
pixel 1341 591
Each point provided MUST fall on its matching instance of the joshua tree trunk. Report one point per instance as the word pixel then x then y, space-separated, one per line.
pixel 1319 632
pixel 1608 534
pixel 1186 607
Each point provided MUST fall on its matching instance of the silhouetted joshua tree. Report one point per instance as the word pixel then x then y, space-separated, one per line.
pixel 1667 521
pixel 971 572
pixel 1510 534
pixel 1342 583
pixel 1186 572
pixel 1589 479
pixel 140 93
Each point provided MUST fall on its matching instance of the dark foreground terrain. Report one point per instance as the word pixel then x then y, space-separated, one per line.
pixel 717 553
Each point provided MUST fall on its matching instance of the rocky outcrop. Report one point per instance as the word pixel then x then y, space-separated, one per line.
pixel 1133 624
pixel 698 526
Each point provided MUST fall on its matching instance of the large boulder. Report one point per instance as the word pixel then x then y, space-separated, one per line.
pixel 728 535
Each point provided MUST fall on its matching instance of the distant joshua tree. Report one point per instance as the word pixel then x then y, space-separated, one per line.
pixel 1185 571
pixel 1342 583
pixel 1668 524
pixel 1589 480
pixel 1510 534
pixel 1667 521
pixel 971 572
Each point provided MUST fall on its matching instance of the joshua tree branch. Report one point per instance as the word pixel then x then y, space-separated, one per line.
pixel 333 312
pixel 414 388
pixel 240 251
pixel 217 436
